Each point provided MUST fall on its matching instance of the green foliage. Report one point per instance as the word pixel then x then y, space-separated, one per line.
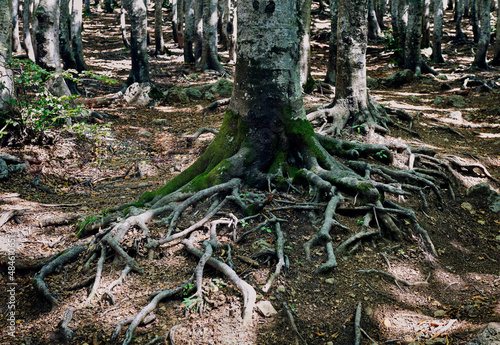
pixel 381 154
pixel 187 287
pixel 360 222
pixel 80 227
pixel 36 109
pixel 266 228
pixel 244 223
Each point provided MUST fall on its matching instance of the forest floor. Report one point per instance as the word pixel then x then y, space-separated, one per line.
pixel 142 148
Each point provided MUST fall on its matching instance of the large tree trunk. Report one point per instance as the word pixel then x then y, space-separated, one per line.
pixel 332 48
pixel 225 18
pixel 16 42
pixel 484 36
pixel 65 49
pixel 27 37
pixel 380 9
pixel 138 41
pixel 198 25
pixel 76 34
pixel 426 25
pixel 474 20
pixel 209 58
pixel 412 54
pixel 437 39
pixel 6 80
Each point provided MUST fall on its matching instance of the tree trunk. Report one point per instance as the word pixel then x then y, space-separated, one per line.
pixel 426 26
pixel 438 32
pixel 16 42
pixel 403 15
pixel 76 34
pixel 374 31
pixel 332 48
pixel 234 35
pixel 496 49
pixel 138 41
pixel 459 11
pixel 209 59
pixel 225 18
pixel 159 41
pixel 474 20
pixel 175 19
pixel 395 20
pixel 198 33
pixel 189 32
pixel 484 35
pixel 380 9
pixel 27 37
pixel 306 80
pixel 180 23
pixel 6 79
pixel 123 26
pixel 412 55
pixel 65 49
pixel 466 8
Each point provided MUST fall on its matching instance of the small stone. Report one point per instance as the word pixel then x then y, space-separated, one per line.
pixel 456 101
pixel 145 134
pixel 438 100
pixel 467 206
pixel 281 288
pixel 439 313
pixel 352 294
pixel 330 281
pixel 84 208
pixel 368 311
pixel 456 116
pixel 266 308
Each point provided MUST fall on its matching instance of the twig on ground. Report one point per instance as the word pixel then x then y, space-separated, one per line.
pixel 280 243
pixel 292 322
pixel 392 276
pixel 357 325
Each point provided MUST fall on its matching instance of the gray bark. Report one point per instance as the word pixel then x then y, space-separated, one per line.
pixel 123 26
pixel 380 9
pixel 136 10
pixel 225 17
pixel 175 19
pixel 306 79
pixel 180 23
pixel 459 11
pixel 374 31
pixel 6 81
pixel 332 49
pixel 209 59
pixel 402 25
pixel 437 55
pixel 426 25
pixel 484 34
pixel 198 25
pixel 159 41
pixel 46 28
pixel 234 35
pixel 76 34
pixel 16 42
pixel 189 32
pixel 27 36
pixel 496 49
pixel 474 20
pixel 412 55
pixel 65 49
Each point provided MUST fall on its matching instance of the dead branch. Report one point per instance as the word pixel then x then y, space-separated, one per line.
pixel 280 244
pixel 54 266
pixel 357 325
pixel 246 289
pixel 292 322
pixel 62 328
pixel 6 216
pixel 98 274
pixel 57 221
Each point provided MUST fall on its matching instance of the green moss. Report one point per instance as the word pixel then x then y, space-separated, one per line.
pixel 309 85
pixel 364 187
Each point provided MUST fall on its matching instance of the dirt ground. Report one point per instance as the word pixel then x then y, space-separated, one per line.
pixel 144 147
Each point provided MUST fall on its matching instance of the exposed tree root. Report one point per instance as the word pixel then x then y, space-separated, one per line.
pixel 63 332
pixel 357 325
pixel 51 267
pixel 392 276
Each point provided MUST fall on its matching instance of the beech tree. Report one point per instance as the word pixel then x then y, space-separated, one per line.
pixel 6 80
pixel 484 35
pixel 332 46
pixel 496 49
pixel 209 58
pixel 137 12
pixel 437 38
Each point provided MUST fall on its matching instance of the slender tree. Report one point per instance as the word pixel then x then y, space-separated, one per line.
pixel 209 58
pixel 136 10
pixel 332 47
pixel 189 30
pixel 160 48
pixel 374 31
pixel 16 42
pixel 76 34
pixel 306 80
pixel 459 13
pixel 484 35
pixel 437 38
pixel 496 49
pixel 6 81
pixel 27 36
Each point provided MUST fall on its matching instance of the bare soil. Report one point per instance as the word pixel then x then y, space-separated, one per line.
pixel 84 175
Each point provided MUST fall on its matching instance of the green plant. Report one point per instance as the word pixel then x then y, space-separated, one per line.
pixel 360 222
pixel 244 223
pixel 266 228
pixel 381 154
pixel 187 287
pixel 188 301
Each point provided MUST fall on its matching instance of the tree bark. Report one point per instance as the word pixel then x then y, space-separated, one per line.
pixel 138 41
pixel 189 30
pixel 198 24
pixel 459 11
pixel 27 37
pixel 159 41
pixel 175 19
pixel 412 55
pixel 209 59
pixel 426 26
pixel 306 80
pixel 374 31
pixel 76 34
pixel 380 9
pixel 332 48
pixel 474 20
pixel 65 49
pixel 437 55
pixel 484 35
pixel 225 19
pixel 496 49
pixel 6 79
pixel 16 42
